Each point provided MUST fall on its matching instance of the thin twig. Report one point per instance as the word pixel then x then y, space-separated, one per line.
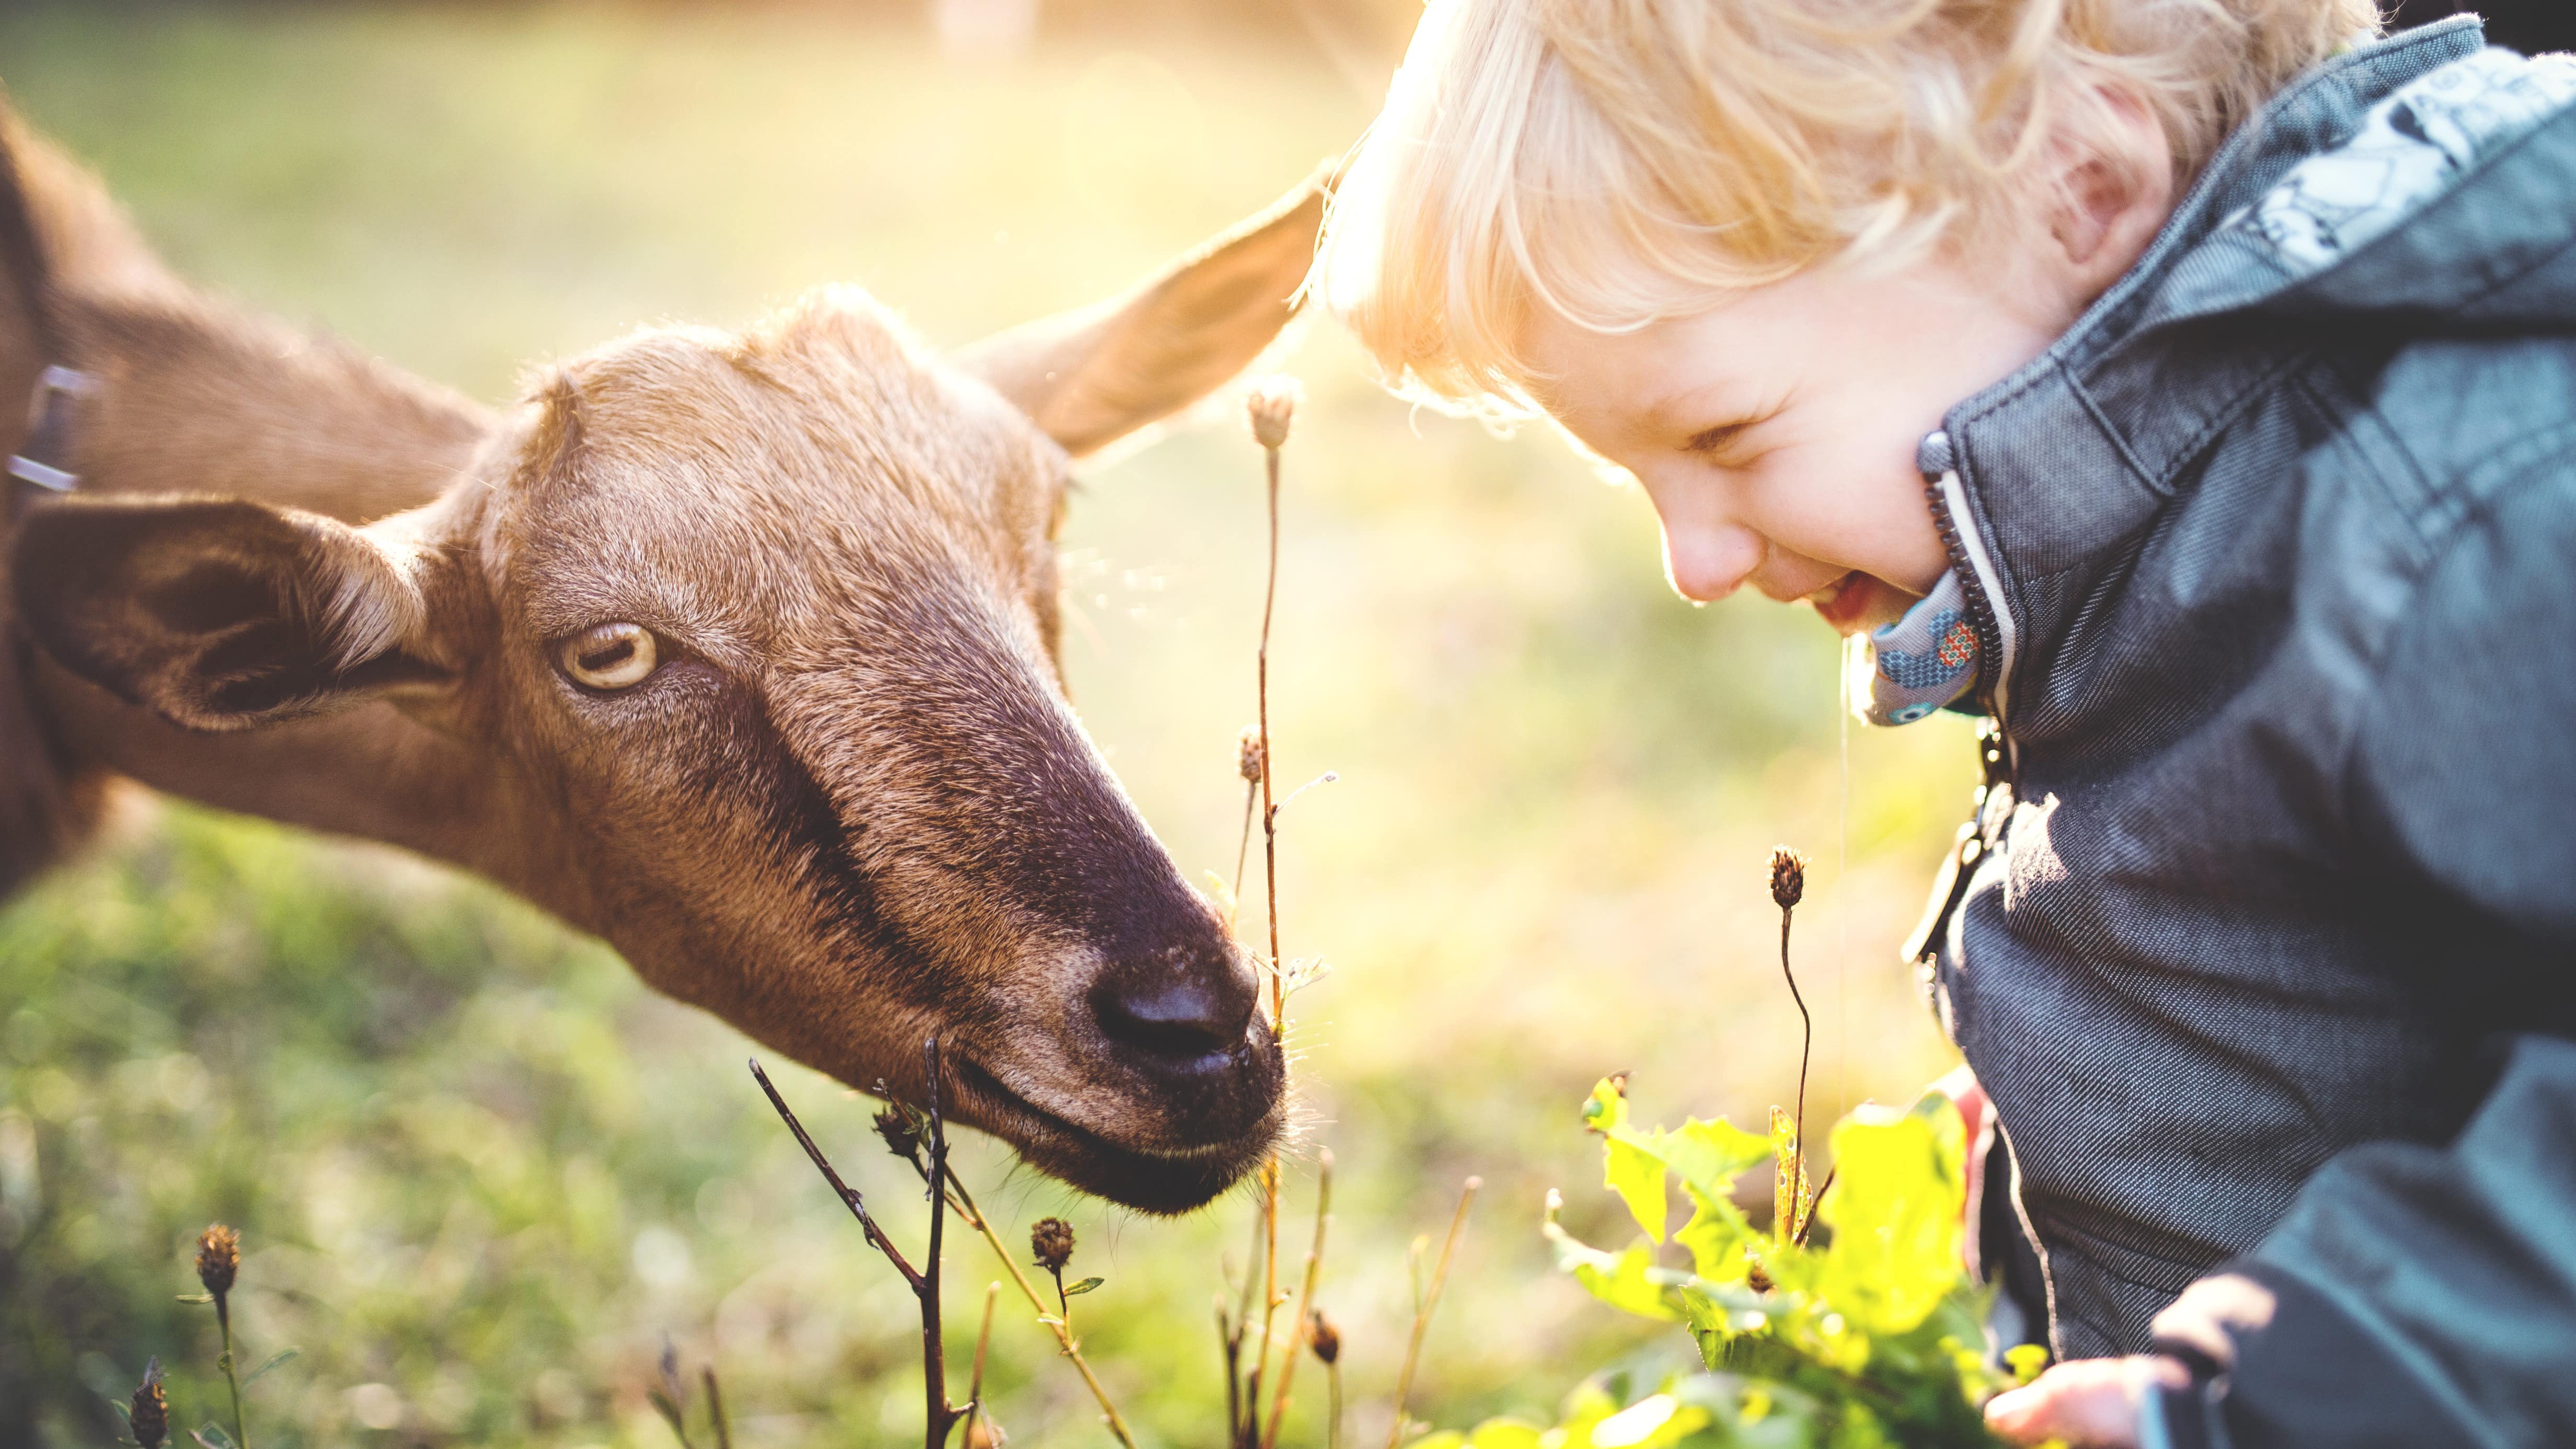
pixel 964 1202
pixel 1305 1295
pixel 1270 904
pixel 1243 847
pixel 1809 1225
pixel 934 1367
pixel 715 1409
pixel 1422 1312
pixel 1797 1164
pixel 849 1195
pixel 975 1410
pixel 940 1415
pixel 1269 814
pixel 1229 1341
pixel 232 1381
pixel 1269 1294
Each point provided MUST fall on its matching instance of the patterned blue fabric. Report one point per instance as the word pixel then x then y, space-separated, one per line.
pixel 1923 661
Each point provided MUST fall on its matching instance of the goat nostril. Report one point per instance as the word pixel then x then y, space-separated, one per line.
pixel 1172 1019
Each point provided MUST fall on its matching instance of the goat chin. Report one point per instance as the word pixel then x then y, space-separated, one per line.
pixel 1162 1179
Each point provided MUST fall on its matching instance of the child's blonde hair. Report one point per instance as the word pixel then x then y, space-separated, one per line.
pixel 1619 161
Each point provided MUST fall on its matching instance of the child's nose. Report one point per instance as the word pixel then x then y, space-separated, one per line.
pixel 1709 562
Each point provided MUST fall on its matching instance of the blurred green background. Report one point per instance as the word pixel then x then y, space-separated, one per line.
pixel 481 1172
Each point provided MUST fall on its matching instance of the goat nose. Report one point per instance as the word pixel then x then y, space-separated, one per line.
pixel 1177 1020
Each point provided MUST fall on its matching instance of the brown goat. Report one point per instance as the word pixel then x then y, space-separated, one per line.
pixel 737 649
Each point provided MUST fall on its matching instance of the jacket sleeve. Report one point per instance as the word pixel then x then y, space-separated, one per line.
pixel 2414 1296
pixel 2418 1295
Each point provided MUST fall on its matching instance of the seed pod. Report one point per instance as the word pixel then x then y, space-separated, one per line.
pixel 902 1138
pixel 218 1258
pixel 1051 1240
pixel 150 1413
pixel 1788 876
pixel 1323 1338
pixel 1249 758
pixel 1272 405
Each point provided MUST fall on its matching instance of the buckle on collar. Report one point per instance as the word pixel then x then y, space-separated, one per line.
pixel 49 428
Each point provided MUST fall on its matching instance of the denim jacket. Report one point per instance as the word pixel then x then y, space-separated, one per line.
pixel 2265 948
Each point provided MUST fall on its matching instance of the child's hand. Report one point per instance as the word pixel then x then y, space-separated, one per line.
pixel 2091 1403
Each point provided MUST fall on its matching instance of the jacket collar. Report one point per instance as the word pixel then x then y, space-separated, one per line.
pixel 2062 462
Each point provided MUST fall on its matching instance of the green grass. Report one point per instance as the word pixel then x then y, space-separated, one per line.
pixel 477 1163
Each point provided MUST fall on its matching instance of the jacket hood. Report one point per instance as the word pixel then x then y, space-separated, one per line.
pixel 2454 198
pixel 2422 185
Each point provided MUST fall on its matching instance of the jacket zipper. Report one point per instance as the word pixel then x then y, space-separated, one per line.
pixel 1967 560
pixel 1994 747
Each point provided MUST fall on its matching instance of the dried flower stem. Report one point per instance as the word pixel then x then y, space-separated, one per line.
pixel 1269 422
pixel 1305 1295
pixel 1231 1332
pixel 964 1202
pixel 1229 1342
pixel 147 1414
pixel 715 1408
pixel 975 1384
pixel 1243 847
pixel 1788 885
pixel 1269 812
pixel 1269 1282
pixel 218 1263
pixel 940 1415
pixel 1422 1310
pixel 232 1380
pixel 1808 1224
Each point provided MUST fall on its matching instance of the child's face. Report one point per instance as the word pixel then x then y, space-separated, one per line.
pixel 1776 434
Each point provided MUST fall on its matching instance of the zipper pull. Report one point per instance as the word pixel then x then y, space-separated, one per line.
pixel 1950 885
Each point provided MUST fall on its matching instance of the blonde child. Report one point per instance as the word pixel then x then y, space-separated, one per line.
pixel 2187 387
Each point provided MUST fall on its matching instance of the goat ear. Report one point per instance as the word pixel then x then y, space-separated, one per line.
pixel 1094 375
pixel 218 614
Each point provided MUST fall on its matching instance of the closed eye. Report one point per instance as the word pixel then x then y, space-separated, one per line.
pixel 1717 439
pixel 1725 443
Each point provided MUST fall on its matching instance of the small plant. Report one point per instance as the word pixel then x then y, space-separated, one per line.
pixel 924 1281
pixel 920 1137
pixel 218 1265
pixel 1325 1341
pixel 1424 1301
pixel 1051 1243
pixel 149 1414
pixel 1872 1335
pixel 670 1399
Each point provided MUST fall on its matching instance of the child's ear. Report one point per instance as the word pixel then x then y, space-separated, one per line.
pixel 2112 191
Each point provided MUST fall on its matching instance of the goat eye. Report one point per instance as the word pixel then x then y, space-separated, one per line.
pixel 611 656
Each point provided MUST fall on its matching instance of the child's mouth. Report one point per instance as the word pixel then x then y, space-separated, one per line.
pixel 1844 602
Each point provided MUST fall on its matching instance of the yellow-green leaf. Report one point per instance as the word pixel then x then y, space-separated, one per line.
pixel 1606 1110
pixel 1625 1284
pixel 1504 1434
pixel 1718 1237
pixel 1896 1216
pixel 1709 1156
pixel 1789 1197
pixel 1637 1175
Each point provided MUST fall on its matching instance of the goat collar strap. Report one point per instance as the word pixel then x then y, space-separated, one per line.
pixel 42 458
